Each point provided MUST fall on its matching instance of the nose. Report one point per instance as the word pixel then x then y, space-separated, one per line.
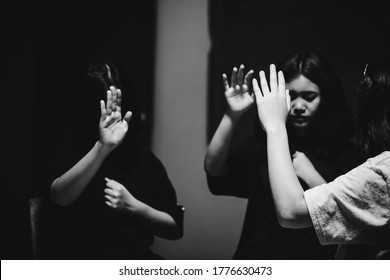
pixel 298 106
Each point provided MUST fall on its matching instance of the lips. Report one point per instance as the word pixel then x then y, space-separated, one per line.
pixel 299 119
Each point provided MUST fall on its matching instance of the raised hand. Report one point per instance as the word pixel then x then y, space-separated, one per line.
pixel 273 103
pixel 237 94
pixel 111 126
pixel 118 197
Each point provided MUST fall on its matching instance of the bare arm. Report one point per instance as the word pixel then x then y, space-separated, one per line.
pixel 306 171
pixel 239 101
pixel 287 192
pixel 67 188
pixel 161 223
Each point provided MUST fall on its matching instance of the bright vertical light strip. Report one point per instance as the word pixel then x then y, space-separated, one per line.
pixel 179 134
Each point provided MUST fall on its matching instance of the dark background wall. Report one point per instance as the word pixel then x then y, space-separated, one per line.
pixel 18 26
pixel 257 33
pixel 73 34
pixel 48 44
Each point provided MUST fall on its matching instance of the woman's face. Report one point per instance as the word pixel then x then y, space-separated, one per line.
pixel 305 101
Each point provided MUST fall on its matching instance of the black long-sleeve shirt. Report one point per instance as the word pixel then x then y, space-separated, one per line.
pixel 262 237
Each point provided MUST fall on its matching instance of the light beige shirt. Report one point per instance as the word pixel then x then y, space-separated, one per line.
pixel 355 207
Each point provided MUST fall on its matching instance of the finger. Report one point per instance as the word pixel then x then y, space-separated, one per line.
pixel 109 182
pixel 117 115
pixel 256 90
pixel 248 77
pixel 110 119
pixel 109 102
pixel 281 83
pixel 288 100
pixel 294 155
pixel 273 81
pixel 119 100
pixel 103 111
pixel 240 75
pixel 109 192
pixel 127 117
pixel 264 84
pixel 108 199
pixel 234 77
pixel 244 88
pixel 237 88
pixel 109 204
pixel 248 82
pixel 225 82
pixel 114 97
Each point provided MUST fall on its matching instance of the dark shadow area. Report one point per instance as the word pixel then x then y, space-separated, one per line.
pixel 258 33
pixel 49 47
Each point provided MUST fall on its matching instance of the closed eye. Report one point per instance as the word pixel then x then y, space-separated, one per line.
pixel 307 95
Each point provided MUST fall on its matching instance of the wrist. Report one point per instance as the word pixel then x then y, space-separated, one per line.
pixel 104 148
pixel 134 207
pixel 275 129
pixel 234 116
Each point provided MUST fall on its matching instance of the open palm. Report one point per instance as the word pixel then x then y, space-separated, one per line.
pixel 112 127
pixel 237 94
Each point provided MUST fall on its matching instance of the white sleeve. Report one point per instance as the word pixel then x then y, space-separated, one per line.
pixel 354 208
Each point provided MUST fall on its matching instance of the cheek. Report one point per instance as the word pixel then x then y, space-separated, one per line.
pixel 314 106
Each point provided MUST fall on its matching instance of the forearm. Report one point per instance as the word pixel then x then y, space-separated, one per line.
pixel 159 222
pixel 215 162
pixel 315 179
pixel 286 189
pixel 66 189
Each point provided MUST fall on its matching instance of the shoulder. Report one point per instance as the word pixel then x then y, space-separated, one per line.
pixel 381 164
pixel 381 159
pixel 370 179
pixel 137 154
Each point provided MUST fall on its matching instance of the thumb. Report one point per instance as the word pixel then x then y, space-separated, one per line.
pixel 256 90
pixel 127 117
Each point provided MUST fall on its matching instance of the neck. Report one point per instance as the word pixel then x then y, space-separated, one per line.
pixel 300 133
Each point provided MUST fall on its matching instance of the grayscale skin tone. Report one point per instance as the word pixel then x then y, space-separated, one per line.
pixel 67 188
pixel 239 100
pixel 273 109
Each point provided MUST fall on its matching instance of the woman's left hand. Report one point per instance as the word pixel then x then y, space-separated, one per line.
pixel 118 197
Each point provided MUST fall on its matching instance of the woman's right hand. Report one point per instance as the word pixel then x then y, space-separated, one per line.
pixel 112 127
pixel 273 102
pixel 238 98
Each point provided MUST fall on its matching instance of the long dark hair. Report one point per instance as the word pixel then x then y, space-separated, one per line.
pixel 106 73
pixel 84 109
pixel 333 123
pixel 373 112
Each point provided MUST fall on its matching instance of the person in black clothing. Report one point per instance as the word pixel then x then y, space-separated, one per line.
pixel 320 146
pixel 112 194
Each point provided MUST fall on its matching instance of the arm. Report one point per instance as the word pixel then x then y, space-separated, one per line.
pixel 306 171
pixel 67 188
pixel 161 223
pixel 287 192
pixel 239 101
